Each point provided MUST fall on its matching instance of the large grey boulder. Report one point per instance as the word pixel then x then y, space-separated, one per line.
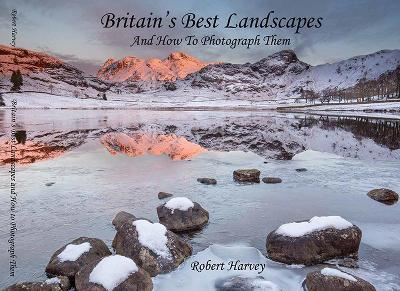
pixel 123 275
pixel 246 176
pixel 69 259
pixel 181 219
pixel 153 247
pixel 384 195
pixel 60 283
pixel 121 218
pixel 335 280
pixel 313 247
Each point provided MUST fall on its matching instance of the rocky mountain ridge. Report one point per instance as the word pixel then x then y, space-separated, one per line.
pixel 44 73
pixel 282 75
pixel 176 66
pixel 277 77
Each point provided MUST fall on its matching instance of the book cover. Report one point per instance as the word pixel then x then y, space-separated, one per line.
pixel 199 145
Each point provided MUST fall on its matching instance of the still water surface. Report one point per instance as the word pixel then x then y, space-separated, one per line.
pixel 91 186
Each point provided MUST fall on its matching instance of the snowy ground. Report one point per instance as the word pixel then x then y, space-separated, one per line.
pixel 202 101
pixel 137 101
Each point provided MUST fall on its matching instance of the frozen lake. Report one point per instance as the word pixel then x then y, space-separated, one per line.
pixel 91 186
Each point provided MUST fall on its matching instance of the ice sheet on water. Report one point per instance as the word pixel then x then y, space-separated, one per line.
pixel 382 236
pixel 311 155
pixel 189 279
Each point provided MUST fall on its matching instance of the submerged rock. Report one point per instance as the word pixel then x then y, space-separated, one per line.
pixel 384 195
pixel 121 218
pixel 335 280
pixel 113 273
pixel 180 214
pixel 316 241
pixel 207 181
pixel 163 195
pixel 69 259
pixel 239 283
pixel 272 180
pixel 301 170
pixel 153 247
pixel 247 175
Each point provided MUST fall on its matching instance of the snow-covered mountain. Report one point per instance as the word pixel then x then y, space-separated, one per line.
pixel 282 75
pixel 44 73
pixel 176 66
pixel 277 77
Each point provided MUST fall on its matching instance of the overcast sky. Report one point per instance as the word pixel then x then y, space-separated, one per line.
pixel 72 29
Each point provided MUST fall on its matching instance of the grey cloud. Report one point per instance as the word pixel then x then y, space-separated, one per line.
pixel 90 67
pixel 349 27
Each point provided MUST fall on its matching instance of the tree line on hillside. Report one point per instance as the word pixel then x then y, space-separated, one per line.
pixel 385 87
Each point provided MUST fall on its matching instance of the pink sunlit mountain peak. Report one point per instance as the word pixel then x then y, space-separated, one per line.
pixel 176 66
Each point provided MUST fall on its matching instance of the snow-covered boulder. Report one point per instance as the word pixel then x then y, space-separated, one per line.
pixel 121 218
pixel 384 195
pixel 314 241
pixel 69 259
pixel 329 279
pixel 181 214
pixel 207 181
pixel 247 176
pixel 153 247
pixel 239 283
pixel 60 283
pixel 271 180
pixel 113 273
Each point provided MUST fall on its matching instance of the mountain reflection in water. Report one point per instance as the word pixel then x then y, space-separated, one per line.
pixel 181 135
pixel 383 131
pixel 138 144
